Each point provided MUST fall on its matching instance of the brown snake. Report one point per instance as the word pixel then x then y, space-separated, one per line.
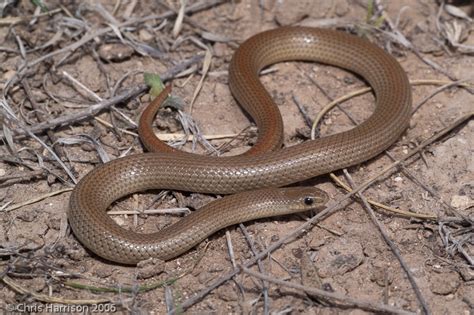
pixel 264 166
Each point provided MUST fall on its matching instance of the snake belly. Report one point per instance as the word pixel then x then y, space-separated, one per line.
pixel 264 166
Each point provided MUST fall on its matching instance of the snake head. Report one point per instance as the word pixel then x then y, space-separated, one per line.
pixel 305 198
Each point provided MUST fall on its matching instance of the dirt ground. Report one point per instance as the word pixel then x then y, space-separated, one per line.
pixel 56 66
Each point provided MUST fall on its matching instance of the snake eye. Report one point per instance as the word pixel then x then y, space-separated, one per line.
pixel 308 201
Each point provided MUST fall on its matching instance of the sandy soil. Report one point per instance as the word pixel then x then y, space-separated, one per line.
pixel 42 262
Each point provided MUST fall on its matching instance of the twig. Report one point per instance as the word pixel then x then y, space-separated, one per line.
pixel 344 300
pixel 90 111
pixel 96 108
pixel 22 177
pixel 417 181
pixel 266 300
pixel 438 90
pixel 205 68
pixel 302 110
pixel 74 81
pixel 203 5
pixel 41 117
pixel 36 199
pixel 382 206
pixel 230 251
pixel 187 19
pixel 392 246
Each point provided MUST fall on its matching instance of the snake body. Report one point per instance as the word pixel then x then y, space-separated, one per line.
pixel 262 167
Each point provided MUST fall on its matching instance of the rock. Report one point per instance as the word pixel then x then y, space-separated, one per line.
pixel 150 268
pixel 339 257
pixel 444 283
pixel 9 74
pixel 115 52
pixel 309 274
pixel 103 271
pixel 460 202
pixel 468 298
pixel 219 49
pixel 28 215
pixel 290 12
pixel 381 274
pixel 145 36
pixel 227 294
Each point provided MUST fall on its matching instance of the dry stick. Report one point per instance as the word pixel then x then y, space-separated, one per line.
pixel 302 110
pixel 96 108
pixel 323 214
pixel 7 181
pixel 392 246
pixel 346 301
pixel 418 181
pixel 36 199
pixel 41 118
pixel 438 90
pixel 382 206
pixel 266 304
pixel 33 166
pixel 12 20
pixel 88 37
pixel 186 19
pixel 205 68
pixel 90 111
pixel 230 251
pixel 81 85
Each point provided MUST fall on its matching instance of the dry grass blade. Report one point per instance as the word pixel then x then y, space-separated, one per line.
pixel 205 68
pixel 50 299
pixel 36 199
pixel 179 19
pixel 382 206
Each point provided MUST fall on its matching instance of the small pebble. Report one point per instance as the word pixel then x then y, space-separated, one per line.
pixel 145 36
pixel 398 179
pixel 9 74
pixel 115 52
pixel 219 49
pixel 150 268
pixel 460 202
pixel 444 283
pixel 120 221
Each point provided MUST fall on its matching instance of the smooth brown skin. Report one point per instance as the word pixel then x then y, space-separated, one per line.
pixel 263 166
